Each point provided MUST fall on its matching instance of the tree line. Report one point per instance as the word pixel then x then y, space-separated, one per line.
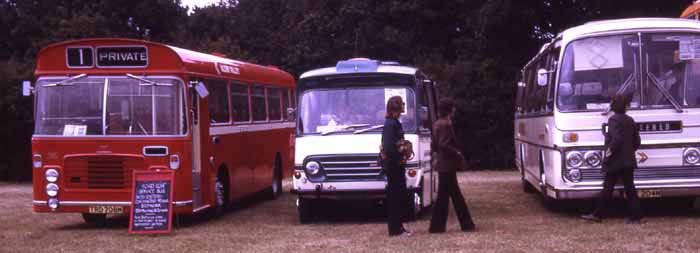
pixel 474 49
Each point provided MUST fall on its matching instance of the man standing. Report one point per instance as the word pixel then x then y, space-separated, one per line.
pixel 621 141
pixel 448 161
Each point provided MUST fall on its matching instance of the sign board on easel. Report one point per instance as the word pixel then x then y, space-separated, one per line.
pixel 152 202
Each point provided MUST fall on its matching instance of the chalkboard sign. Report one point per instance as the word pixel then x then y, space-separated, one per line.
pixel 152 198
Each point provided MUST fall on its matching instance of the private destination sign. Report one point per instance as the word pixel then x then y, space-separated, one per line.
pixel 122 57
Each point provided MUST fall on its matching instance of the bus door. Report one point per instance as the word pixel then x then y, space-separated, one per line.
pixel 432 109
pixel 195 101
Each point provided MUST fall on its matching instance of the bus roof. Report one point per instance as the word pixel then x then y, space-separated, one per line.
pixel 361 65
pixel 692 9
pixel 161 59
pixel 627 24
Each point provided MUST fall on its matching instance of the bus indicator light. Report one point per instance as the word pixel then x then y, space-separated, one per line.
pixel 570 137
pixel 36 161
pixel 174 162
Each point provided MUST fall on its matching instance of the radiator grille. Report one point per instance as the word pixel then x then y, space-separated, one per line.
pixel 100 172
pixel 649 173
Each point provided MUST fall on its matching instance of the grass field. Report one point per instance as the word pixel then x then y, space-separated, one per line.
pixel 507 220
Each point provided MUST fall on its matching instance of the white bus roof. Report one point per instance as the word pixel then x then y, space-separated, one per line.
pixel 628 24
pixel 360 65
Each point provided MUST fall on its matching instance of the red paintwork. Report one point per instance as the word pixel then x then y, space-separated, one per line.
pixel 248 156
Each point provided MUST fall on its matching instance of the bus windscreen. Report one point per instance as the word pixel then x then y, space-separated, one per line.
pixel 128 107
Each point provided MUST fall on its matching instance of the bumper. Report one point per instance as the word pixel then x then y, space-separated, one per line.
pixel 330 191
pixel 41 206
pixel 642 192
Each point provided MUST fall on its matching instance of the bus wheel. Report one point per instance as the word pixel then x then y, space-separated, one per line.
pixel 305 210
pixel 95 219
pixel 221 190
pixel 276 188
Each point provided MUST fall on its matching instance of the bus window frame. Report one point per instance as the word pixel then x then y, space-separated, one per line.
pixel 228 101
pixel 267 100
pixel 264 97
pixel 250 114
pixel 184 112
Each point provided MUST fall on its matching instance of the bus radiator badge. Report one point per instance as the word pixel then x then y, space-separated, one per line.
pixel 643 157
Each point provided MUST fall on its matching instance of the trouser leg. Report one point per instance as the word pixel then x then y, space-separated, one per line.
pixel 465 218
pixel 393 206
pixel 439 219
pixel 606 194
pixel 631 194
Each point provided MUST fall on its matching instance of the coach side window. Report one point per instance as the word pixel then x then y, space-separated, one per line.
pixel 218 101
pixel 274 104
pixel 259 104
pixel 240 102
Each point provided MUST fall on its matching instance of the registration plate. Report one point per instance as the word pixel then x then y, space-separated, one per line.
pixel 649 194
pixel 106 209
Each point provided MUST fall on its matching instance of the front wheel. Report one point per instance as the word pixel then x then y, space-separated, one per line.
pixel 93 219
pixel 417 204
pixel 276 187
pixel 221 190
pixel 305 210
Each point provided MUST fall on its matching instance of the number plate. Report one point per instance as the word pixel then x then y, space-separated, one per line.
pixel 649 194
pixel 106 209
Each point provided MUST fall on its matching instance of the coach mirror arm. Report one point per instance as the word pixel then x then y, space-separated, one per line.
pixel 27 88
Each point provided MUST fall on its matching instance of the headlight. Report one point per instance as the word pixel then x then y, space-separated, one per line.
pixel 691 156
pixel 574 175
pixel 593 158
pixel 53 203
pixel 574 159
pixel 51 175
pixel 52 190
pixel 313 167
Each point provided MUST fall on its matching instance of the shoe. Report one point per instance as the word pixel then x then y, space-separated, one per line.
pixel 469 228
pixel 591 217
pixel 633 221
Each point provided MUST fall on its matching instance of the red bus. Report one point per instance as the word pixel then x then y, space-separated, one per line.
pixel 105 107
pixel 692 12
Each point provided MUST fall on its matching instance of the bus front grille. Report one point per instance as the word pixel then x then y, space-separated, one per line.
pixel 648 173
pixel 356 167
pixel 100 172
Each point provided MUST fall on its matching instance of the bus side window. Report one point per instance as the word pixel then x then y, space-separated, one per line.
pixel 240 102
pixel 258 102
pixel 218 101
pixel 285 104
pixel 423 108
pixel 274 103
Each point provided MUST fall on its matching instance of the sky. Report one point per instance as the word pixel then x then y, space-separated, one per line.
pixel 198 3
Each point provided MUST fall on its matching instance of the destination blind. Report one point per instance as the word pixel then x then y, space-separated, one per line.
pixel 122 57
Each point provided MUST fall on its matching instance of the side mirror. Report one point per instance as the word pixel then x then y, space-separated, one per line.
pixel 542 77
pixel 27 88
pixel 201 90
pixel 291 113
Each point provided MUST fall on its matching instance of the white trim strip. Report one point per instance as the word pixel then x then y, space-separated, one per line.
pixel 220 130
pixel 103 203
pixel 352 168
pixel 353 174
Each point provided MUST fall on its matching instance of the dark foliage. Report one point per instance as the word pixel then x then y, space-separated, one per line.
pixel 474 49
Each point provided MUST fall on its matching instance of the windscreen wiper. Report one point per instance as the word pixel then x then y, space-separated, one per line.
pixel 664 92
pixel 630 80
pixel 368 129
pixel 65 82
pixel 146 82
pixel 343 128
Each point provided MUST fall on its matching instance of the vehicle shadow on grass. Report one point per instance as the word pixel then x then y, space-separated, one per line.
pixel 353 212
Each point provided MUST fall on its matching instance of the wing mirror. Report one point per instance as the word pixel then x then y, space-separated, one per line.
pixel 27 89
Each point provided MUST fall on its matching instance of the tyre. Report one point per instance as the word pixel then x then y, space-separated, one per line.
pixel 305 210
pixel 417 204
pixel 98 220
pixel 276 187
pixel 221 190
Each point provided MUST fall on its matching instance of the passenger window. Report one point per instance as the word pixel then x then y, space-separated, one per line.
pixel 285 104
pixel 423 109
pixel 240 103
pixel 258 102
pixel 218 102
pixel 274 103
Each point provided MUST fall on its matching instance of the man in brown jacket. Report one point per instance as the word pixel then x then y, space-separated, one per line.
pixel 447 161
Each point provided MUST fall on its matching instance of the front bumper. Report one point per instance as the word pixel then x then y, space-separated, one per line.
pixel 41 206
pixel 642 192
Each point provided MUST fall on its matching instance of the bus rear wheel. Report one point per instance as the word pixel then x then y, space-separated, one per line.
pixel 221 191
pixel 95 219
pixel 276 187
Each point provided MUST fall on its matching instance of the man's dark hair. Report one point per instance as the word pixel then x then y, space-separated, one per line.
pixel 619 104
pixel 445 107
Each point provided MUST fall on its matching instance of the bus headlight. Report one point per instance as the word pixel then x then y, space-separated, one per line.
pixel 574 159
pixel 53 203
pixel 313 167
pixel 574 175
pixel 691 156
pixel 52 190
pixel 593 158
pixel 51 175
